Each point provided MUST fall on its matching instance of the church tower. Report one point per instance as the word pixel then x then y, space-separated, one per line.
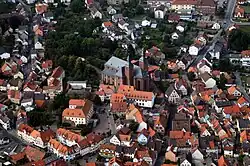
pixel 129 68
pixel 143 62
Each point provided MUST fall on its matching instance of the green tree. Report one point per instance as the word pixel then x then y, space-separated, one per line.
pixel 139 10
pixel 238 40
pixel 191 76
pixel 77 6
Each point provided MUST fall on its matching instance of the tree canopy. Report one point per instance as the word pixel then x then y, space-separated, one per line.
pixel 77 6
pixel 238 40
pixel 76 47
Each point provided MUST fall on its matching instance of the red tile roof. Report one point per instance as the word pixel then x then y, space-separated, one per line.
pixel 16 157
pixel 34 154
pixel 31 85
pixel 69 135
pixel 231 109
pixel 108 24
pixel 117 98
pixel 26 128
pixel 179 134
pixel 41 8
pixel 47 64
pixel 77 102
pixel 57 72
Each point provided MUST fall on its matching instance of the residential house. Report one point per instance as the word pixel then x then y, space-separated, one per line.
pixel 239 12
pixel 174 36
pixel 24 132
pixel 30 87
pixel 242 102
pixel 125 136
pixel 105 91
pixel 170 155
pixel 67 137
pixel 41 138
pixel 41 8
pixel 194 49
pixel 206 7
pixel 27 101
pixel 67 2
pixel 222 161
pixel 146 22
pixel 5 122
pixel 185 162
pixel 91 143
pixel 243 124
pixel 95 13
pixel 181 27
pixel 9 68
pixel 216 26
pixel 127 152
pixel 208 80
pixel 30 1
pixel 215 53
pixel 160 124
pixel 204 66
pixel 111 10
pixel 115 140
pixel 18 75
pixel 117 2
pixel 3 85
pixel 48 17
pixel 15 84
pixel 180 4
pixel 21 118
pixel 107 150
pixel 181 86
pixel 28 154
pixel 117 17
pixel 49 1
pixel 38 30
pixel 14 96
pixel 39 100
pixel 234 91
pixel 157 3
pixel 173 18
pixel 129 94
pixel 181 122
pixel 146 155
pixel 47 66
pixel 55 85
pixel 38 45
pixel 155 53
pixel 246 161
pixel 36 137
pixel 172 95
pixel 160 12
pixel 78 85
pixel 61 150
pixel 79 111
pixel 197 155
pixel 3 107
pixel 118 104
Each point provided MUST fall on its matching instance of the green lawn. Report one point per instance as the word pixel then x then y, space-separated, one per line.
pixel 245 28
pixel 246 8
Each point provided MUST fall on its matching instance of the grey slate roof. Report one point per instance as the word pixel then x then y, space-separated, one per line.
pixel 205 76
pixel 244 123
pixel 117 64
pixel 169 90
